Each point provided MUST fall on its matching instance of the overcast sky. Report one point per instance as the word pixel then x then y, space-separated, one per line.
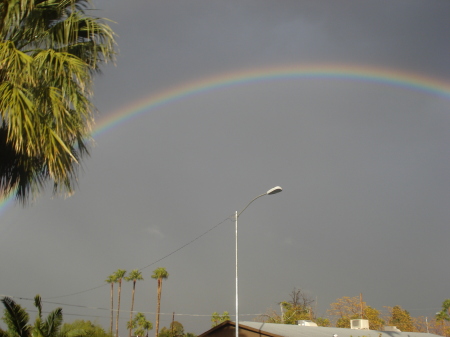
pixel 364 166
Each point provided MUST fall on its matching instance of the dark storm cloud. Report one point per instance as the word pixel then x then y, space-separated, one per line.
pixel 363 166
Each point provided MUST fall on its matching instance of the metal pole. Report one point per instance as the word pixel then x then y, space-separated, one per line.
pixel 237 289
pixel 274 190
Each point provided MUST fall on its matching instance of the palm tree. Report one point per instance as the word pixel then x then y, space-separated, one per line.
pixel 135 275
pixel 111 280
pixel 159 274
pixel 49 327
pixel 119 274
pixel 49 52
pixel 16 318
pixel 142 325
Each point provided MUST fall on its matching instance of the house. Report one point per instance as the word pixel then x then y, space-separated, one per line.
pixel 258 329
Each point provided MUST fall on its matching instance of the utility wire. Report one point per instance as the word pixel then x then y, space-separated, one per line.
pixel 109 309
pixel 198 237
pixel 151 264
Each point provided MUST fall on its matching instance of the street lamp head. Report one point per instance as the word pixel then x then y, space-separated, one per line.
pixel 276 189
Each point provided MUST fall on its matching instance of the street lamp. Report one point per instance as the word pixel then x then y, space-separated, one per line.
pixel 276 189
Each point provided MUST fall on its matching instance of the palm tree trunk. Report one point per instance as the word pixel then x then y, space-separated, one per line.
pixel 118 308
pixel 132 305
pixel 158 307
pixel 112 307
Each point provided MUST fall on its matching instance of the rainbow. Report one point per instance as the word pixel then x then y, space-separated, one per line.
pixel 371 74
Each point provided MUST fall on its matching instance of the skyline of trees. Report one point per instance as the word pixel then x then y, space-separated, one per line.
pixel 341 308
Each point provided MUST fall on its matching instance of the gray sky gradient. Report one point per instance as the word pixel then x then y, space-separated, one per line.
pixel 364 166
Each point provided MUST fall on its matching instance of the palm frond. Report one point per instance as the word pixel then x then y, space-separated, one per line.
pixel 38 305
pixel 16 318
pixel 49 52
pixel 53 323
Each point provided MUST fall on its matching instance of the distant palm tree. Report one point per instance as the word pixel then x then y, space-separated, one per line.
pixel 159 274
pixel 119 274
pixel 135 275
pixel 111 280
pixel 145 325
pixel 142 325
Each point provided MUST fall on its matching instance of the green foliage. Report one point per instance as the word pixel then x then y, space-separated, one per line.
pixel 3 333
pixel 50 51
pixel 49 327
pixel 298 308
pixel 217 318
pixel 373 315
pixel 119 274
pixel 140 324
pixel 348 308
pixel 160 273
pixel 135 275
pixel 16 319
pixel 175 329
pixel 343 322
pixel 401 319
pixel 321 321
pixel 82 328
pixel 444 315
pixel 111 279
pixel 293 313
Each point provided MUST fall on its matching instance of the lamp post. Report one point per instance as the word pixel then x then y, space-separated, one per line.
pixel 274 190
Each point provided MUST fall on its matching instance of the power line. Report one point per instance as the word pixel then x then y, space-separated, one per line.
pixel 108 309
pixel 151 264
pixel 198 237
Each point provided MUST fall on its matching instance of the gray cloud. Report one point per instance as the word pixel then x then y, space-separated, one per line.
pixel 363 166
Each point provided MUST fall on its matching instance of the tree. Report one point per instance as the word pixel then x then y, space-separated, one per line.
pixel 217 318
pixel 298 308
pixel 3 333
pixel 49 52
pixel 348 308
pixel 135 275
pixel 111 280
pixel 83 328
pixel 300 300
pixel 344 308
pixel 401 319
pixel 118 275
pixel 175 329
pixel 141 325
pixel 321 321
pixel 49 327
pixel 373 316
pixel 444 314
pixel 159 274
pixel 16 319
